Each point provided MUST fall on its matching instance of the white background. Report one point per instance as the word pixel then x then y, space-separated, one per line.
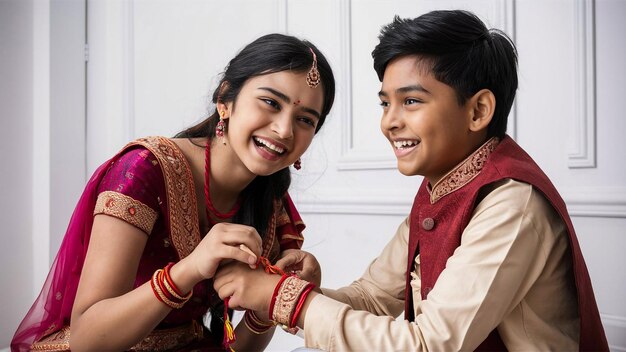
pixel 153 64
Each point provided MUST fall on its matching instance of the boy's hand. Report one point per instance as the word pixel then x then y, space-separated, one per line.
pixel 304 264
pixel 247 288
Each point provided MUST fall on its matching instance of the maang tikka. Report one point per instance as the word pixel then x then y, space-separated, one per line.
pixel 220 128
pixel 313 76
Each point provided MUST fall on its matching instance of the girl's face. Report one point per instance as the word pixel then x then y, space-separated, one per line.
pixel 273 120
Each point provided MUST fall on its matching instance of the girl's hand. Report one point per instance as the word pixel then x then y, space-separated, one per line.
pixel 247 288
pixel 304 264
pixel 221 245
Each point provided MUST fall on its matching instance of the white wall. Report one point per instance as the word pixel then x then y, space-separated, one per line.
pixel 42 111
pixel 16 146
pixel 153 66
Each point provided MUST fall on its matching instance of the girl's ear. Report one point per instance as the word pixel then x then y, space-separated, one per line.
pixel 222 110
pixel 483 105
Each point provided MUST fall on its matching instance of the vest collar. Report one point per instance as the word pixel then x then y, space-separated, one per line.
pixel 463 173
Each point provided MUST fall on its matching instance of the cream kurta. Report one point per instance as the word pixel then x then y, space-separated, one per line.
pixel 514 258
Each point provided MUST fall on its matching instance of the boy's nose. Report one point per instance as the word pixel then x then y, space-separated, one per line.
pixel 391 120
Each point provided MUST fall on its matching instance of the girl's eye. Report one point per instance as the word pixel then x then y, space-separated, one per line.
pixel 384 104
pixel 309 121
pixel 271 103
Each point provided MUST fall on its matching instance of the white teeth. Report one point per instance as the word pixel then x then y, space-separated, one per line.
pixel 404 144
pixel 271 146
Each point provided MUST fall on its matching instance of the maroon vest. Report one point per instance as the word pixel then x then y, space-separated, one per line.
pixel 435 232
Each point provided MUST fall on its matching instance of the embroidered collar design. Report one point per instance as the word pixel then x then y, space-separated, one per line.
pixel 463 173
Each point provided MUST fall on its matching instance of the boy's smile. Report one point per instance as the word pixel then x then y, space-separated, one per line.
pixel 422 119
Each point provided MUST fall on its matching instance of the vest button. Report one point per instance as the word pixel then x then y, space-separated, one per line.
pixel 428 224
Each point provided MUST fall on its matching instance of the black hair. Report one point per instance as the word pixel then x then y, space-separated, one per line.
pixel 268 54
pixel 461 52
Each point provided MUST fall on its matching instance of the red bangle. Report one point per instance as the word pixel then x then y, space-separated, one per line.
pixel 301 300
pixel 276 289
pixel 154 289
pixel 166 270
pixel 165 292
pixel 255 324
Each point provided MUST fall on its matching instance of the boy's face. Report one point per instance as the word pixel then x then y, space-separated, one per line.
pixel 428 130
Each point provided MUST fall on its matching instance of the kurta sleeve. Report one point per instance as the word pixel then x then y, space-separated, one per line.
pixel 503 250
pixel 381 288
pixel 131 189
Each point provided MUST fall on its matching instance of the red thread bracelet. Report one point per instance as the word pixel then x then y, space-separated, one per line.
pixel 301 300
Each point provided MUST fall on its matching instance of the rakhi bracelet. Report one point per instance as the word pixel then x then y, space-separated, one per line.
pixel 287 300
pixel 275 294
pixel 255 324
pixel 305 293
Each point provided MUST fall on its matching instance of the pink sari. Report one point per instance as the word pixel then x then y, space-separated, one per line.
pixel 50 314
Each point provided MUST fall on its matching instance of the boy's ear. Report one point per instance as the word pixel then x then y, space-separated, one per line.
pixel 483 105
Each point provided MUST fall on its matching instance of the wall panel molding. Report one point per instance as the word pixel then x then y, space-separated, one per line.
pixel 505 20
pixel 283 13
pixel 596 201
pixel 615 327
pixel 110 79
pixel 591 202
pixel 582 153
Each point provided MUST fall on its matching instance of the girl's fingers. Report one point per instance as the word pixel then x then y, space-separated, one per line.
pixel 252 260
pixel 289 260
pixel 233 252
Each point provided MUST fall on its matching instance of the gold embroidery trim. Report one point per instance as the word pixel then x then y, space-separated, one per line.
pixel 287 299
pixel 463 173
pixel 181 196
pixel 157 340
pixel 271 247
pixel 283 217
pixel 126 208
pixel 170 339
pixel 57 341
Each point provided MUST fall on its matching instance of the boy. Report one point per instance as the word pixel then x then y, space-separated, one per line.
pixel 488 258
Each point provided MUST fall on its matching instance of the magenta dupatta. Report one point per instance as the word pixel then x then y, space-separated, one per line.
pixel 46 315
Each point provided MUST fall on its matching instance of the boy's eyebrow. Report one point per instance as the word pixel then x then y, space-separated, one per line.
pixel 407 89
pixel 287 100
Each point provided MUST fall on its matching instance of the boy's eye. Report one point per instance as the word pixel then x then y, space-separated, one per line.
pixel 410 101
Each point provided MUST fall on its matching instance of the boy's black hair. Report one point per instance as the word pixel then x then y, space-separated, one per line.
pixel 462 53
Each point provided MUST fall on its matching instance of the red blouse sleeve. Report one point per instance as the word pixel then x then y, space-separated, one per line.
pixel 133 189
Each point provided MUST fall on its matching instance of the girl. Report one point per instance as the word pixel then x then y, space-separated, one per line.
pixel 154 223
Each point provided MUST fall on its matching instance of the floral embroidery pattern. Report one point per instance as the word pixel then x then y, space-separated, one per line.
pixel 126 208
pixel 181 198
pixel 464 172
